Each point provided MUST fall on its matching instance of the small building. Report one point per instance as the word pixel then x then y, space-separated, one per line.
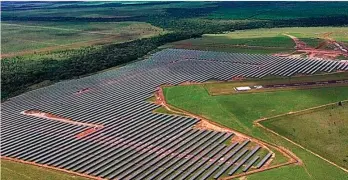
pixel 258 87
pixel 243 88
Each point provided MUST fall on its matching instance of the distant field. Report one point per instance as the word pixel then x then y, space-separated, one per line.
pixel 221 10
pixel 324 131
pixel 15 171
pixel 264 41
pixel 280 10
pixel 239 111
pixel 29 37
pixel 104 9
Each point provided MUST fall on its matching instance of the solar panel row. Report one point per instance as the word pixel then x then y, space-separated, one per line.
pixel 135 143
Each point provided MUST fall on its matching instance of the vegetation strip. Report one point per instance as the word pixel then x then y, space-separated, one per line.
pixel 52 167
pixel 258 123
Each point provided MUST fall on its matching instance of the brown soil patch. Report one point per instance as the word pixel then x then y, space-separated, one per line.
pixel 188 83
pixel 206 125
pixel 311 52
pixel 45 115
pixel 40 114
pixel 243 178
pixel 238 139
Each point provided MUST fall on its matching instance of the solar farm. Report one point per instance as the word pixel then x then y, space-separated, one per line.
pixel 104 127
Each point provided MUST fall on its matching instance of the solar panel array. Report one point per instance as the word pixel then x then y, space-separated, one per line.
pixel 136 143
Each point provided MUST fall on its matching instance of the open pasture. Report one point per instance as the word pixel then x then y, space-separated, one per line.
pixel 265 41
pixel 29 37
pixel 14 171
pixel 323 131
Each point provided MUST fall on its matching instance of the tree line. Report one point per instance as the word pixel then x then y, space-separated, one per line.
pixel 19 73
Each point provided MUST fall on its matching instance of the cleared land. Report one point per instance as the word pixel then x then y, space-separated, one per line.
pixel 239 111
pixel 19 38
pixel 324 131
pixel 14 171
pixel 265 41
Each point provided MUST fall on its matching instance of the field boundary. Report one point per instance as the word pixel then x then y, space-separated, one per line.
pixel 308 110
pixel 51 167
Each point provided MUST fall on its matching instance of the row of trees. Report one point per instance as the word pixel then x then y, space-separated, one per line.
pixel 19 73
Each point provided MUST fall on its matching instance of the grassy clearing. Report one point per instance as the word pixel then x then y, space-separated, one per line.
pixel 264 41
pixel 257 45
pixel 239 111
pixel 14 171
pixel 33 36
pixel 324 132
pixel 220 88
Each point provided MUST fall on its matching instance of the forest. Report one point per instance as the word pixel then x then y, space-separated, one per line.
pixel 21 72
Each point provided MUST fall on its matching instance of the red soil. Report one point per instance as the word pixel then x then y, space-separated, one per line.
pixel 86 132
pixel 316 52
pixel 40 114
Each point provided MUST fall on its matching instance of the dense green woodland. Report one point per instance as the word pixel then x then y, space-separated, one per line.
pixel 183 21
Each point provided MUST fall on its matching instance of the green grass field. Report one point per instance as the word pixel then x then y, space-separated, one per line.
pixel 32 36
pixel 324 131
pixel 280 10
pixel 264 41
pixel 15 171
pixel 239 111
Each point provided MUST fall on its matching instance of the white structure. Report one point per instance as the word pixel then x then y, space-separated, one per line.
pixel 243 88
pixel 258 87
